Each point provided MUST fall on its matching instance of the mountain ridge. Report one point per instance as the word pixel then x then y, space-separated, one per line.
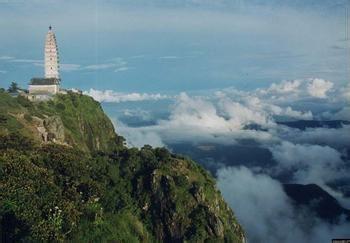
pixel 67 176
pixel 317 200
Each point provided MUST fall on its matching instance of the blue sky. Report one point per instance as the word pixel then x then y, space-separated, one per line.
pixel 173 46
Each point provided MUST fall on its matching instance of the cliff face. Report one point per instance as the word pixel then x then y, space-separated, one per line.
pixel 184 204
pixel 66 176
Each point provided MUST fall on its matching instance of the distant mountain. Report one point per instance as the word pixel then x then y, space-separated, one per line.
pixel 317 201
pixel 304 124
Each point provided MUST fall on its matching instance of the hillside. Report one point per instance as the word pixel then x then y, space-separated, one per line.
pixel 66 176
pixel 71 119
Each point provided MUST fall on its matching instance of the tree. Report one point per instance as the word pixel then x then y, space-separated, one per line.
pixel 13 87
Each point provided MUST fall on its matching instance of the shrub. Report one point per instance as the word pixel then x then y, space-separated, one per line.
pixel 3 119
pixel 28 117
pixel 24 101
pixel 60 106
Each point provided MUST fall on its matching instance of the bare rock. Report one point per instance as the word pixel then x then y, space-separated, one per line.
pixel 54 128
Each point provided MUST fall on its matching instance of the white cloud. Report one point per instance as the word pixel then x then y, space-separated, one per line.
pixel 338 138
pixel 67 67
pixel 138 137
pixel 309 163
pixel 223 116
pixel 111 96
pixel 139 113
pixel 196 112
pixel 6 57
pixel 201 119
pixel 121 69
pixel 266 212
pixel 32 61
pixel 312 163
pixel 276 100
pixel 169 57
pixel 256 104
pixel 118 64
pixel 345 92
pixel 244 114
pixel 319 88
pixel 39 64
pixel 314 98
pixel 3 71
pixel 343 114
pixel 100 66
pixel 260 205
pixel 295 90
pixel 289 112
pixel 285 87
pixel 138 56
pixel 198 118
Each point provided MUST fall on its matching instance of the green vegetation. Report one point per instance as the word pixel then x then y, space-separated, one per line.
pixel 80 190
pixel 84 123
pixel 13 87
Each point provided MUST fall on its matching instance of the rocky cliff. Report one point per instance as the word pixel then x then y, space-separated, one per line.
pixel 66 176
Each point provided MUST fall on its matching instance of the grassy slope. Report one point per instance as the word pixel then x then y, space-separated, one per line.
pixel 85 123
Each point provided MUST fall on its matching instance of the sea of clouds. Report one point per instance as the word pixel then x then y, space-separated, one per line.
pixel 313 155
pixel 266 212
pixel 221 116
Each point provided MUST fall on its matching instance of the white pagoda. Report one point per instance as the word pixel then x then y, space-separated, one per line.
pixel 49 85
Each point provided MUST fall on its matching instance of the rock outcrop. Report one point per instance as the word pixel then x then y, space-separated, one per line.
pixel 54 128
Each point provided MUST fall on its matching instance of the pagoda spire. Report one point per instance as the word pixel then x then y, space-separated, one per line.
pixel 51 56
